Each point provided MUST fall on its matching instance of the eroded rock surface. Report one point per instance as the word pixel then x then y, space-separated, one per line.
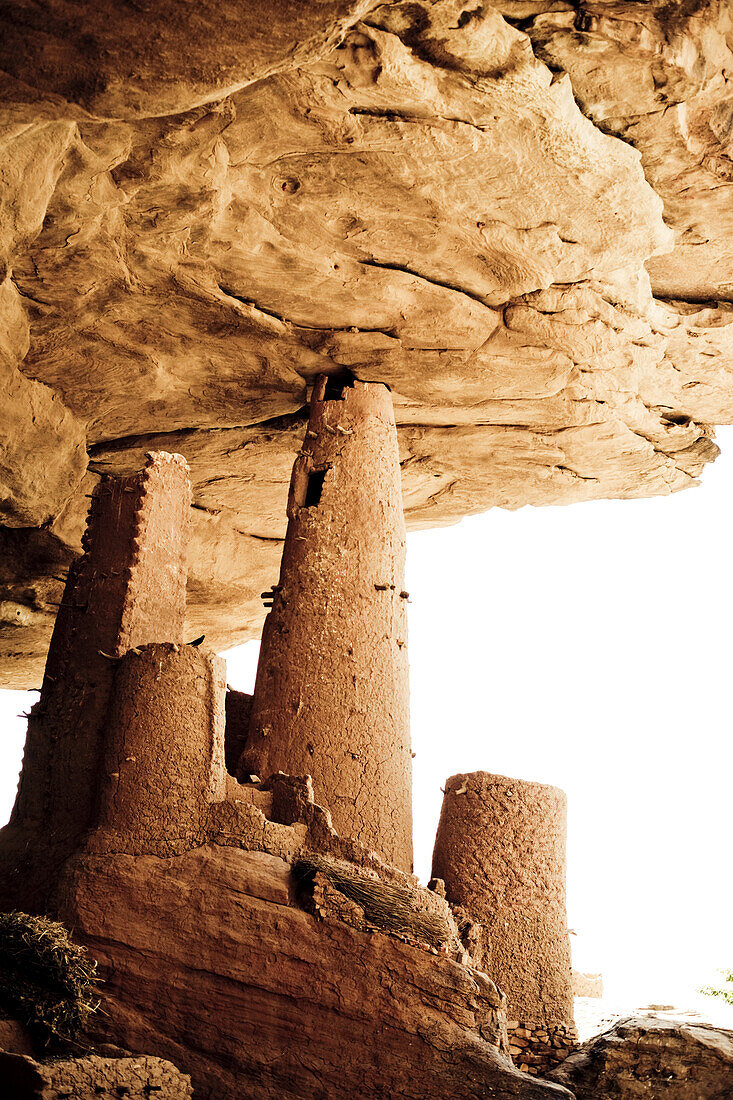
pixel 657 75
pixel 295 1007
pixel 466 202
pixel 650 1057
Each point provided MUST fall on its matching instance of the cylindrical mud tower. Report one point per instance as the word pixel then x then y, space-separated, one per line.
pixel 332 693
pixel 163 758
pixel 500 849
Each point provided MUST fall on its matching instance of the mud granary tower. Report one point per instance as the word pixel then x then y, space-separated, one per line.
pixel 332 692
pixel 282 905
pixel 500 849
pixel 127 590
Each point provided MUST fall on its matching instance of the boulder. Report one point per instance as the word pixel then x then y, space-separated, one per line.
pixel 647 1056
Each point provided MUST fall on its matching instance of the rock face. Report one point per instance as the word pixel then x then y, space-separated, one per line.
pixel 655 1058
pixel 295 1007
pixel 465 202
pixel 660 83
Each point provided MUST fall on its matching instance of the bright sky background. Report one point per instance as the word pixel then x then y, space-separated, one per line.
pixel 590 647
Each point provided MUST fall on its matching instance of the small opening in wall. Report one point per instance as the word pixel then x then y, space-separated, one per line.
pixel 336 384
pixel 315 487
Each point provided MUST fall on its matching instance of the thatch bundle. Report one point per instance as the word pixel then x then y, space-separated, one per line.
pixel 46 981
pixel 385 905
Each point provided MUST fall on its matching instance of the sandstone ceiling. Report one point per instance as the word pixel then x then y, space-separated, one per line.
pixel 517 214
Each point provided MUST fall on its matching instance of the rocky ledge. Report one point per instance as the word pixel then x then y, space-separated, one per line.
pixel 518 214
pixel 297 1004
pixel 654 1058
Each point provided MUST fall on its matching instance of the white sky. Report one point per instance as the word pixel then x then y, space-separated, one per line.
pixel 590 647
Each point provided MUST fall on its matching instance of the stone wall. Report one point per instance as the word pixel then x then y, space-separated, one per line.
pixel 537 1049
pixel 91 1078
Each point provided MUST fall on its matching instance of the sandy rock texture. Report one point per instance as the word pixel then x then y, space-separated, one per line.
pixel 518 215
pixel 655 1058
pixel 286 995
pixel 656 75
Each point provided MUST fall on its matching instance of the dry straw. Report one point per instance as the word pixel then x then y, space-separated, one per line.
pixel 391 907
pixel 46 981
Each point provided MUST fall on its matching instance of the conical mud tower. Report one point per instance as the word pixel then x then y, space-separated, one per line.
pixel 332 693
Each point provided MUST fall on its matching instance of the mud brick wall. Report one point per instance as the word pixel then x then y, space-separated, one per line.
pixel 537 1049
pixel 500 849
pixel 587 985
pixel 128 589
pixel 332 694
pixel 238 708
pixel 164 751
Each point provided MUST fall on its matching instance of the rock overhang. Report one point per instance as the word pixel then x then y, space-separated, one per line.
pixel 417 192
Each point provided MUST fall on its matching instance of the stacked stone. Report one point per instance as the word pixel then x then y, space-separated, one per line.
pixel 91 1078
pixel 537 1049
